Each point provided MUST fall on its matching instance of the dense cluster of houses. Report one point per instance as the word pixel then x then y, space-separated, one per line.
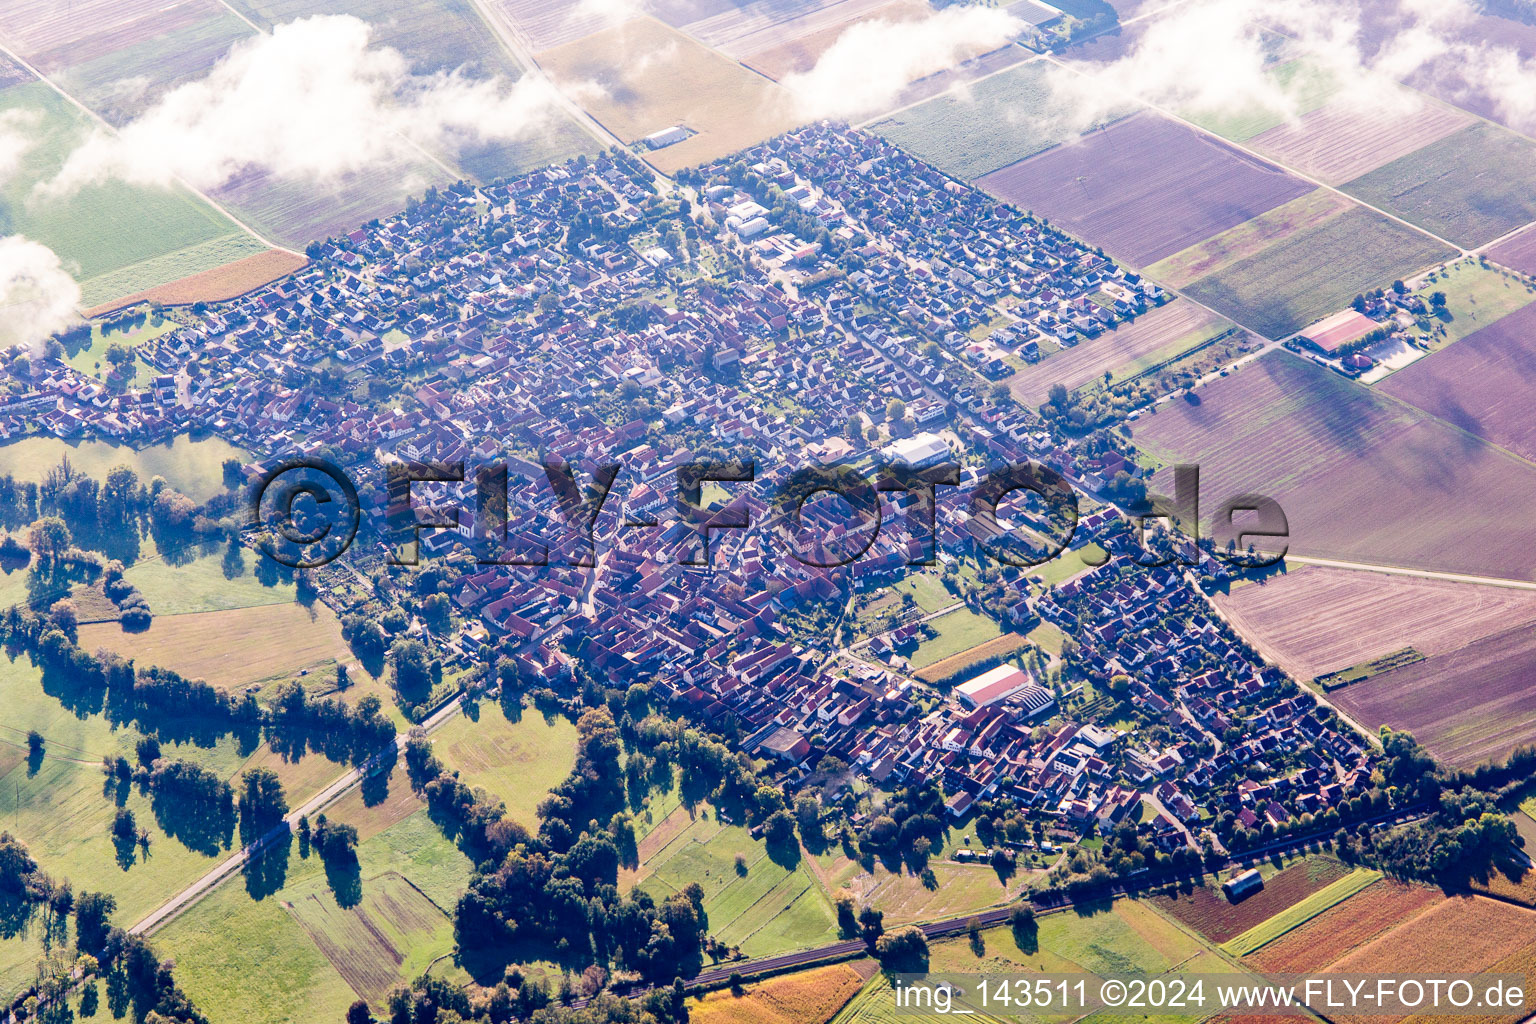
pixel 481 328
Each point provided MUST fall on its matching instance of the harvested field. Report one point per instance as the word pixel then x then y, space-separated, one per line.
pixel 805 997
pixel 1470 187
pixel 33 28
pixel 1521 890
pixel 1316 270
pixel 998 121
pixel 1360 476
pixel 1172 328
pixel 1249 238
pixel 216 285
pixel 1482 384
pixel 1338 142
pixel 1146 188
pixel 1299 913
pixel 233 648
pixel 542 24
pixel 1471 705
pixel 1208 911
pixel 1458 934
pixel 368 944
pixel 1005 644
pixel 795 46
pixel 1518 253
pixel 1317 619
pixel 728 106
pixel 1344 927
pixel 966 71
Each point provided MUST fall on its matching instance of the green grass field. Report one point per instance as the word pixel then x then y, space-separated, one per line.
pixel 1068 564
pixel 1476 296
pixel 192 467
pixel 1470 187
pixel 200 585
pixel 1300 913
pixel 956 631
pixel 927 589
pixel 103 229
pixel 268 969
pixel 1316 271
pixel 1000 121
pixel 517 762
pixel 1306 86
pixel 769 909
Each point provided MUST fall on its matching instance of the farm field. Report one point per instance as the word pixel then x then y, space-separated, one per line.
pixel 1307 86
pixel 727 105
pixel 1249 238
pixel 767 909
pixel 1145 188
pixel 1341 141
pixel 226 282
pixel 1301 912
pixel 1161 333
pixel 1468 706
pixel 1328 450
pixel 61 812
pixel 156 50
pixel 1458 934
pixel 987 129
pixel 1315 271
pixel 115 238
pixel 805 997
pixel 1518 253
pixel 1008 643
pixel 271 970
pixel 179 586
pixel 194 468
pixel 231 649
pixel 794 46
pixel 1207 910
pixel 956 632
pixel 1345 926
pixel 390 937
pixel 904 899
pixel 1481 384
pixel 1469 187
pixel 1316 619
pixel 517 762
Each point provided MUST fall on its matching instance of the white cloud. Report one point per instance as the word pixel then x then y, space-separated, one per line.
pixel 311 101
pixel 37 296
pixel 872 61
pixel 1215 56
pixel 15 139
